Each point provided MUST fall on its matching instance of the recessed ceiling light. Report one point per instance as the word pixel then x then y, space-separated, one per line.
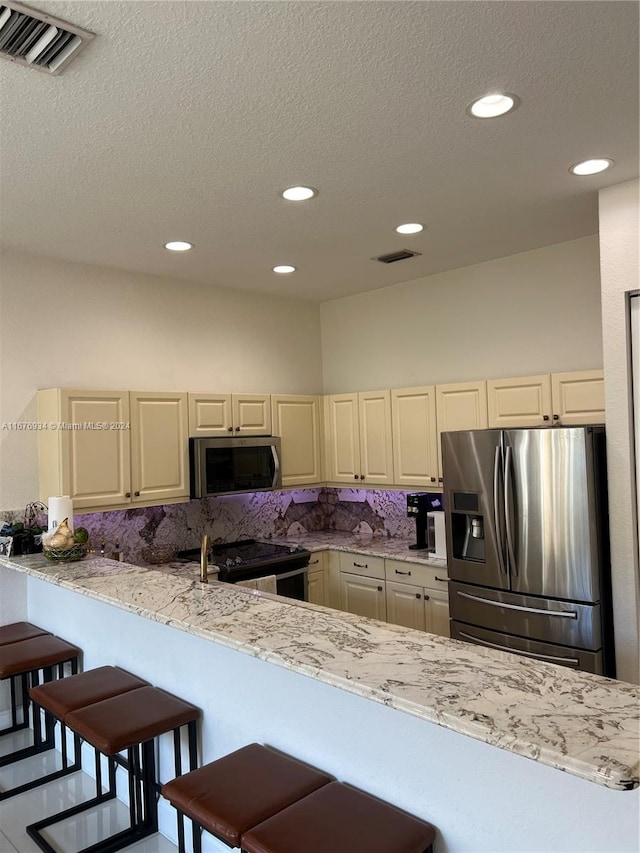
pixel 410 228
pixel 178 246
pixel 492 106
pixel 298 193
pixel 284 268
pixel 591 167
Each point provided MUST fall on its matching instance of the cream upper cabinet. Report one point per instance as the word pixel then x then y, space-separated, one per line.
pixel 359 441
pixel 113 448
pixel 460 406
pixel 296 419
pixel 363 596
pixel 415 438
pixel 159 447
pixel 523 401
pixel 229 414
pixel 77 458
pixel 578 397
pixel 568 399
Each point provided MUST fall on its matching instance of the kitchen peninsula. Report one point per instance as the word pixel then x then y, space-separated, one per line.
pixel 470 739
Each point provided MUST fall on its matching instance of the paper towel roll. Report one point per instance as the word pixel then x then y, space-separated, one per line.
pixel 60 507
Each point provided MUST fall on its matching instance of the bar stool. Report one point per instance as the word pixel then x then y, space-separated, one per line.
pixel 239 790
pixel 128 722
pixel 340 819
pixel 13 634
pixel 21 662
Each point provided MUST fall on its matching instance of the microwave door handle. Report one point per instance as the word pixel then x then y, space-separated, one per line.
pixel 497 521
pixel 508 508
pixel 276 467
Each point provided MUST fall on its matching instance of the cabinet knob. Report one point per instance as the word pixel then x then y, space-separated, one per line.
pixel 379 589
pixel 433 479
pixel 355 476
pixel 362 476
pixel 137 494
pixel 418 595
pixel 440 479
pixel 237 429
pixel 398 572
pixel 556 417
pixel 127 494
pixel 545 417
pixel 230 429
pixel 361 565
pixel 426 598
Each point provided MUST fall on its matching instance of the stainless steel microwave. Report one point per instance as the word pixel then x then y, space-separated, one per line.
pixel 225 466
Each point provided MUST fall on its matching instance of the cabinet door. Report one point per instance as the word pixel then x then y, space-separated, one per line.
pixel 316 588
pixel 376 447
pixel 415 458
pixel 296 419
pixel 251 414
pixel 460 406
pixel 405 605
pixel 578 397
pixel 363 596
pixel 95 462
pixel 520 402
pixel 159 451
pixel 210 415
pixel 344 438
pixel 436 609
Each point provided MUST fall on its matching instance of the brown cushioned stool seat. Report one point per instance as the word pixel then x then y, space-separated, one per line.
pixel 33 654
pixel 29 650
pixel 234 793
pixel 77 691
pixel 128 721
pixel 19 631
pixel 340 819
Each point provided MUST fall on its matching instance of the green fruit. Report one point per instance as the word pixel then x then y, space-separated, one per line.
pixel 81 535
pixel 17 527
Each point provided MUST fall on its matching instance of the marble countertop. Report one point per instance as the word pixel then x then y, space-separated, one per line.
pixel 580 723
pixel 374 546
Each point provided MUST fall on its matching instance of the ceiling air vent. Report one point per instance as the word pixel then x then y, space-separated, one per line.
pixel 396 256
pixel 40 41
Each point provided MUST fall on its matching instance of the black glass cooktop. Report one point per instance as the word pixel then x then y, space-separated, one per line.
pixel 248 556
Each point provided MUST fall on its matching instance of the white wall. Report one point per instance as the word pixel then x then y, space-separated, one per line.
pixel 619 253
pixel 72 325
pixel 535 312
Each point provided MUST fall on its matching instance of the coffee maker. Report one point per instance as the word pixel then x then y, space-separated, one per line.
pixel 418 506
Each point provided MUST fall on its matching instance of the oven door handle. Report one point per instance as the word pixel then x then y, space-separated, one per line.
pixel 292 574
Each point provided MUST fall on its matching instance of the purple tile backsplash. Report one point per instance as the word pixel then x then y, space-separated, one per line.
pixel 261 515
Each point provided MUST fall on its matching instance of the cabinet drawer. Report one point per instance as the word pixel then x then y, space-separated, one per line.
pixel 359 564
pixel 414 573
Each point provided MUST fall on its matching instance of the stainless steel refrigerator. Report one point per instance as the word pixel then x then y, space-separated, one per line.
pixel 527 543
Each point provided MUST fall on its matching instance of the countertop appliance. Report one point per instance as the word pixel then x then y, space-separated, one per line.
pixel 528 545
pixel 224 466
pixel 248 560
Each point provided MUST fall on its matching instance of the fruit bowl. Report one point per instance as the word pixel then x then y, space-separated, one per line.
pixel 66 555
pixel 159 554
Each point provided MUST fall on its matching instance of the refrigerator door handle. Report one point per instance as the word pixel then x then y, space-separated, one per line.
pixel 552 658
pixel 563 614
pixel 508 503
pixel 496 511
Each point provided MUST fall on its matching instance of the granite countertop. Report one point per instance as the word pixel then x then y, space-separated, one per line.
pixel 583 724
pixel 374 546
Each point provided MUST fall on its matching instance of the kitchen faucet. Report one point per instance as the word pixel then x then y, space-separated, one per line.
pixel 204 555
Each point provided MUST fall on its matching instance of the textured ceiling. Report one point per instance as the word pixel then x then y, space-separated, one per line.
pixel 182 120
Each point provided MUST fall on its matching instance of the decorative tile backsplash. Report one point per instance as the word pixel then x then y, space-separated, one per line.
pixel 260 515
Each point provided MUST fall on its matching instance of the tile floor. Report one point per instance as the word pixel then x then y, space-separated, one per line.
pixel 73 834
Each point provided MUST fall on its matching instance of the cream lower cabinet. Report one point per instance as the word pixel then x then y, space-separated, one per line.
pixel 110 449
pixel 415 437
pixel 224 415
pixel 296 419
pixel 318 585
pixel 568 399
pixel 459 406
pixel 417 597
pixel 359 442
pixel 362 585
pixel 363 596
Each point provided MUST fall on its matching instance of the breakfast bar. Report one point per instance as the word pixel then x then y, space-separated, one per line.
pixel 482 744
